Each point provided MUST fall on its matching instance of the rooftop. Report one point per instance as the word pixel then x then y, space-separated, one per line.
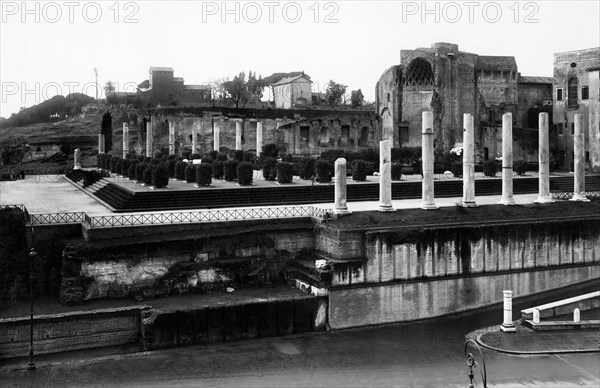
pixel 535 80
pixel 161 69
pixel 487 62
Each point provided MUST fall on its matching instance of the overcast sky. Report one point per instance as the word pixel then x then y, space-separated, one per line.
pixel 52 47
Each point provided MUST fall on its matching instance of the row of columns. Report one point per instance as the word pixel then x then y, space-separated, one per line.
pixel 468 199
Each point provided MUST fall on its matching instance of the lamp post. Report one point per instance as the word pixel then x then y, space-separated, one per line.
pixel 31 363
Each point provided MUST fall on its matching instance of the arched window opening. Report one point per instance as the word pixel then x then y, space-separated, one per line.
pixel 419 73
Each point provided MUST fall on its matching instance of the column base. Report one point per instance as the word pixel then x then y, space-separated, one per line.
pixel 76 167
pixel 507 202
pixel 429 206
pixel 508 329
pixel 468 204
pixel 341 212
pixel 386 208
pixel 544 200
pixel 579 198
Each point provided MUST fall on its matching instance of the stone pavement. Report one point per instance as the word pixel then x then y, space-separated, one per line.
pixel 529 342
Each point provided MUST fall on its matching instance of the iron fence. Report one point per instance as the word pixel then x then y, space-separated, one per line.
pixel 206 216
pixel 57 218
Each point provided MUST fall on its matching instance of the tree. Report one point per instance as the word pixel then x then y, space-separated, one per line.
pixel 335 92
pixel 109 92
pixel 106 130
pixel 357 98
pixel 241 91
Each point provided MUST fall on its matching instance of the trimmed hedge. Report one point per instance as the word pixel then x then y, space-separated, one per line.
pixel 218 167
pixel 396 171
pixel 125 166
pixel 207 160
pixel 238 155
pixel 222 157
pixel 230 170
pixel 131 170
pixel 160 176
pixel 139 171
pixel 249 157
pixel 359 170
pixel 148 174
pixel 180 170
pixel 245 172
pixel 190 173
pixel 204 174
pixel 269 172
pixel 285 172
pixel 520 167
pixel 457 169
pixel 490 168
pixel 171 167
pixel 323 170
pixel 195 156
pixel 305 168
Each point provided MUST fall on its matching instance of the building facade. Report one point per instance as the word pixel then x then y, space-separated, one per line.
pixel 292 92
pixel 575 89
pixel 164 89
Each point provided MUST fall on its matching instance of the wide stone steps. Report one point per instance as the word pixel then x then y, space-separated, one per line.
pixel 123 200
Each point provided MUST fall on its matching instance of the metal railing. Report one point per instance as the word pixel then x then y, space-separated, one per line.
pixel 57 218
pixel 473 364
pixel 569 195
pixel 206 216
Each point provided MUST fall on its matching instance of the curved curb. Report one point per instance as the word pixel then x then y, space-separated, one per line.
pixel 530 353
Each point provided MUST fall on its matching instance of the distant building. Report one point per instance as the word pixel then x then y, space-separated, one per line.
pixel 576 91
pixel 162 88
pixel 450 83
pixel 290 91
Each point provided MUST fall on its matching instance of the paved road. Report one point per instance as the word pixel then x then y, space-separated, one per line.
pixel 417 355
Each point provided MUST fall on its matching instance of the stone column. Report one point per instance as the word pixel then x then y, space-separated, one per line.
pixel 468 199
pixel 507 324
pixel 579 145
pixel 427 158
pixel 576 315
pixel 101 148
pixel 259 137
pixel 507 160
pixel 544 160
pixel 341 204
pixel 149 139
pixel 238 134
pixel 195 137
pixel 77 159
pixel 171 138
pixel 216 134
pixel 594 120
pixel 385 176
pixel 125 140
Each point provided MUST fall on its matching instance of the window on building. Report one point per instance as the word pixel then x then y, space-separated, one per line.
pixel 572 96
pixel 561 127
pixel 363 140
pixel 572 128
pixel 345 132
pixel 559 94
pixel 486 153
pixel 304 135
pixel 587 156
pixel 585 93
pixel 404 134
pixel 388 96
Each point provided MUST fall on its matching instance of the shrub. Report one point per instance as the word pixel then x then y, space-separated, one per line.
pixel 139 171
pixel 171 157
pixel 323 170
pixel 90 177
pixel 305 168
pixel 238 155
pixel 186 154
pixel 148 174
pixel 171 167
pixel 100 160
pixel 218 167
pixel 124 166
pixel 154 161
pixel 147 159
pixel 457 169
pixel 245 172
pixel 359 170
pixel 396 171
pixel 285 172
pixel 116 166
pixel 131 170
pixel 230 170
pixel 180 170
pixel 520 167
pixel 490 168
pixel 207 160
pixel 213 154
pixel 269 151
pixel 222 157
pixel 160 176
pixel 190 173
pixel 196 156
pixel 249 157
pixel 204 174
pixel 269 172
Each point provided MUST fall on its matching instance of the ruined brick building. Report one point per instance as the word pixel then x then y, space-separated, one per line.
pixel 452 82
pixel 163 88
